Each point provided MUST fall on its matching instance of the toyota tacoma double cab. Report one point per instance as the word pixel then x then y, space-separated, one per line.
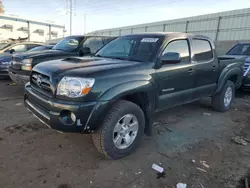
pixel 22 64
pixel 114 93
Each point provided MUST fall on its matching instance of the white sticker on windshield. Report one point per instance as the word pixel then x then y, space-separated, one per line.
pixel 149 39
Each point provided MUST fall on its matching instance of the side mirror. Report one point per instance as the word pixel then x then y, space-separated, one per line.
pixel 171 58
pixel 84 51
pixel 12 51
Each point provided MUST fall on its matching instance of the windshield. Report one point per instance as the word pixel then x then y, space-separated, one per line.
pixel 68 44
pixel 4 45
pixel 40 48
pixel 240 49
pixel 134 48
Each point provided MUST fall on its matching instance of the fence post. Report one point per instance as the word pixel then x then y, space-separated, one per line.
pixel 186 30
pixel 28 30
pixel 218 29
pixel 164 27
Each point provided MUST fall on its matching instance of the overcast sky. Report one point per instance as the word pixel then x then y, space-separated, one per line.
pixel 103 14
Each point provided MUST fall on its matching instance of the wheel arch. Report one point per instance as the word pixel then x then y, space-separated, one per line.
pixel 233 74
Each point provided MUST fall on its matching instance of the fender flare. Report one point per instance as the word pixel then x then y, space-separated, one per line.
pixel 227 72
pixel 128 88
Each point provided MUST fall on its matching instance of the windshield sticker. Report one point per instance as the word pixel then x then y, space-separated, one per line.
pixel 149 40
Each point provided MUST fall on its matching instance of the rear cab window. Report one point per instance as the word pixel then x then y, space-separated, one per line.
pixel 202 50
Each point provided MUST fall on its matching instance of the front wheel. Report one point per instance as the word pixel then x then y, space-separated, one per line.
pixel 223 100
pixel 121 130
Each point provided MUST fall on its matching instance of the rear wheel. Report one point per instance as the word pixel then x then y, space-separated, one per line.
pixel 121 130
pixel 223 100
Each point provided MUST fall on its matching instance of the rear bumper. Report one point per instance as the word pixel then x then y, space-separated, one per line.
pixel 19 79
pixel 53 112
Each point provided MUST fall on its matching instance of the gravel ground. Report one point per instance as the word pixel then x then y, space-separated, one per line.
pixel 33 155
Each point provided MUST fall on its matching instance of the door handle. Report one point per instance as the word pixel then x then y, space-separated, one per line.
pixel 214 68
pixel 190 71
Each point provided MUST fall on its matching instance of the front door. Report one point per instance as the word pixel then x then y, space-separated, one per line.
pixel 175 81
pixel 206 69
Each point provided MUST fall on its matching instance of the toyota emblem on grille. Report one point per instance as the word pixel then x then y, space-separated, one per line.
pixel 39 81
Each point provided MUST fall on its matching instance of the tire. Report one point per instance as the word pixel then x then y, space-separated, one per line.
pixel 218 102
pixel 104 137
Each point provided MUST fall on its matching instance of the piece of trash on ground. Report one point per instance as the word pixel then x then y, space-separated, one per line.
pixel 157 168
pixel 202 186
pixel 239 140
pixel 206 114
pixel 19 104
pixel 90 182
pixel 181 185
pixel 12 84
pixel 139 172
pixel 160 170
pixel 204 163
pixel 168 129
pixel 193 161
pixel 201 169
pixel 246 183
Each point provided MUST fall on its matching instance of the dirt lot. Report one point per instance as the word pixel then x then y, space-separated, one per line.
pixel 34 156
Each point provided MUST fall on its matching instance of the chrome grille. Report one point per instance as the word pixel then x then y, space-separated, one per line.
pixel 41 83
pixel 246 67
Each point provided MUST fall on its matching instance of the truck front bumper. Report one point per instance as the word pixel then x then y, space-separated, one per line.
pixel 3 71
pixel 64 116
pixel 19 79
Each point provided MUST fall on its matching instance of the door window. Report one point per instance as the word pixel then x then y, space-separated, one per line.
pixel 202 50
pixel 30 46
pixel 20 48
pixel 94 43
pixel 181 47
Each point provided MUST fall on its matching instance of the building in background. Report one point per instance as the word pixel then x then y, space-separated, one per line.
pixel 15 27
pixel 225 28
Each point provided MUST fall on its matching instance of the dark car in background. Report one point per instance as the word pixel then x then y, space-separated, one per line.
pixel 7 49
pixel 242 51
pixel 71 46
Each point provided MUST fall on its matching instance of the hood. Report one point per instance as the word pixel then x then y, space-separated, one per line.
pixel 5 57
pixel 40 54
pixel 233 57
pixel 81 66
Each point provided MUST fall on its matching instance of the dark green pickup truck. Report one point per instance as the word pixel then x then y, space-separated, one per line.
pixel 114 94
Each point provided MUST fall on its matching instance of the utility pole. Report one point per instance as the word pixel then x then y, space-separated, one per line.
pixel 1 7
pixel 70 15
pixel 85 24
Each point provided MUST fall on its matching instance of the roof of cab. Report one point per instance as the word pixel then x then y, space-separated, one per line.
pixel 162 34
pixel 91 36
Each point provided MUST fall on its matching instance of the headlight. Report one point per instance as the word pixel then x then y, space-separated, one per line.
pixel 75 87
pixel 27 64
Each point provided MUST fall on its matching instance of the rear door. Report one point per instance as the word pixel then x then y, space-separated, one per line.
pixel 206 68
pixel 175 81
